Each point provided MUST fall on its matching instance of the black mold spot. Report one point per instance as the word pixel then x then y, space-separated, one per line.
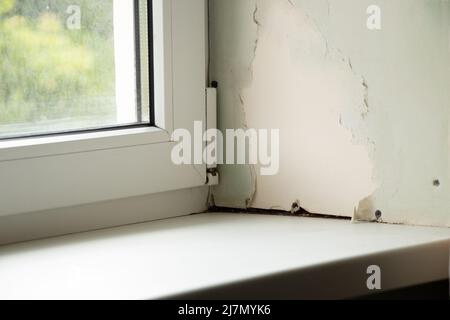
pixel 378 215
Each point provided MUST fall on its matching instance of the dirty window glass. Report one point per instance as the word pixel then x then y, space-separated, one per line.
pixel 68 65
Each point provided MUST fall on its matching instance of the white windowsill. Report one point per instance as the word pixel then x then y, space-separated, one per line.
pixel 290 257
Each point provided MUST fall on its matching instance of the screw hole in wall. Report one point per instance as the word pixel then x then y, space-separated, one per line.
pixel 436 183
pixel 378 215
pixel 295 207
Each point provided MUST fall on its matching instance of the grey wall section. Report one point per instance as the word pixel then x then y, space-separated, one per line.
pixel 232 36
pixel 364 114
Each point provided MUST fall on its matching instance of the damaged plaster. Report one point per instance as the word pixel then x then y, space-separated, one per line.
pixel 293 67
pixel 363 114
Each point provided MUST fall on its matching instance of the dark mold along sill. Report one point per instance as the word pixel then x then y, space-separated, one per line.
pixel 297 211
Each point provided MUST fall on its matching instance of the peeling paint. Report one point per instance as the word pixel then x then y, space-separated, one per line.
pixel 285 84
pixel 364 115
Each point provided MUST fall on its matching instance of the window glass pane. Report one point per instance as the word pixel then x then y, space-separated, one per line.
pixel 68 65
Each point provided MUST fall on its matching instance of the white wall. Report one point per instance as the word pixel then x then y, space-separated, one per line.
pixel 364 115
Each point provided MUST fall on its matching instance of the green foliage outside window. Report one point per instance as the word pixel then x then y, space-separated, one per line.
pixel 50 72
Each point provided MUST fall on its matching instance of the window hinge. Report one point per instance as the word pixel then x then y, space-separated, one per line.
pixel 212 177
pixel 211 123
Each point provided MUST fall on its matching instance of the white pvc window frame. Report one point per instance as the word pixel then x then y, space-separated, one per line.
pixel 125 65
pixel 43 173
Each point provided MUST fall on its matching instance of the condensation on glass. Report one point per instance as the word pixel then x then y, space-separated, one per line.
pixel 71 65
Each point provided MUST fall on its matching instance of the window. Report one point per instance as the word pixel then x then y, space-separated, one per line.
pixel 105 133
pixel 68 65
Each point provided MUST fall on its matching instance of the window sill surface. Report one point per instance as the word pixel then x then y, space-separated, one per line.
pixel 221 255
